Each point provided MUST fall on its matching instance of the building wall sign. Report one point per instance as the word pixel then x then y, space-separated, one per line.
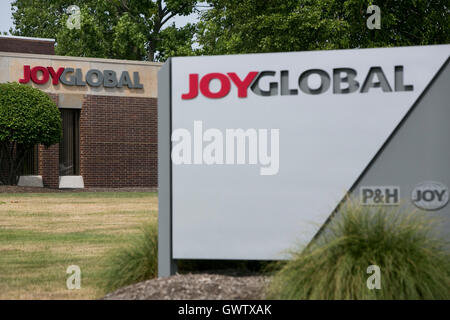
pixel 74 77
pixel 80 75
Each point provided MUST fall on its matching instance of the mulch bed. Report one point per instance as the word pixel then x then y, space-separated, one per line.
pixel 201 286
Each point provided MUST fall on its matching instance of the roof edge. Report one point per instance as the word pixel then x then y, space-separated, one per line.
pixel 26 38
pixel 81 59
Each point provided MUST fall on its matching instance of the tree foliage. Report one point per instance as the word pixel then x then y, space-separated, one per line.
pixel 140 30
pixel 27 117
pixel 403 23
pixel 248 26
pixel 121 29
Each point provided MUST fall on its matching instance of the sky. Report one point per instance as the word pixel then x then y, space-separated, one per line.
pixel 6 17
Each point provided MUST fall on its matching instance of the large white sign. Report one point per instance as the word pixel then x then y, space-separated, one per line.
pixel 265 146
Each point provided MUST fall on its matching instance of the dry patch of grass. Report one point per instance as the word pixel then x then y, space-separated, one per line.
pixel 42 234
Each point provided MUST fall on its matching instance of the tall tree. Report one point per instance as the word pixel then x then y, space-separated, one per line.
pixel 294 25
pixel 122 29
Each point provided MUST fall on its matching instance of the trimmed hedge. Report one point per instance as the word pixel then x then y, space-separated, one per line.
pixel 27 117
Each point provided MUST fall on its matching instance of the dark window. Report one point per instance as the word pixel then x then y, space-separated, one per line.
pixel 69 147
pixel 30 162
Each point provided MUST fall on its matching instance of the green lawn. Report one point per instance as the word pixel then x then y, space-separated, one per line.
pixel 42 234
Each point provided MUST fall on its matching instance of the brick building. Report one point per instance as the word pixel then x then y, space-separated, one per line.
pixel 108 111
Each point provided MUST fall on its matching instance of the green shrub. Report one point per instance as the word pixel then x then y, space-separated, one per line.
pixel 414 263
pixel 27 117
pixel 134 263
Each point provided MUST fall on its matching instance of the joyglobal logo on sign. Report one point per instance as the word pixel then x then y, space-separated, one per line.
pixel 430 195
pixel 342 81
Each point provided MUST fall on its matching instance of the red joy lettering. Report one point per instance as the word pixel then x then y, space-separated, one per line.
pixel 26 75
pixel 193 87
pixel 34 76
pixel 224 88
pixel 55 75
pixel 242 85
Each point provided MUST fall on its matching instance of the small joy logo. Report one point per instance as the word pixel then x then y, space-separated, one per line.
pixel 430 195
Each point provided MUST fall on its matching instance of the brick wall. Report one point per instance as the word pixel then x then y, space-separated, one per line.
pixel 27 46
pixel 4 168
pixel 49 165
pixel 118 141
pixel 118 144
pixel 49 160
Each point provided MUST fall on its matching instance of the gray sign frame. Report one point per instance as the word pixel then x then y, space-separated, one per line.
pixel 391 155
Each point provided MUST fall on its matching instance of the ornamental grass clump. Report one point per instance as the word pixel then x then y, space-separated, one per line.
pixel 414 262
pixel 134 263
